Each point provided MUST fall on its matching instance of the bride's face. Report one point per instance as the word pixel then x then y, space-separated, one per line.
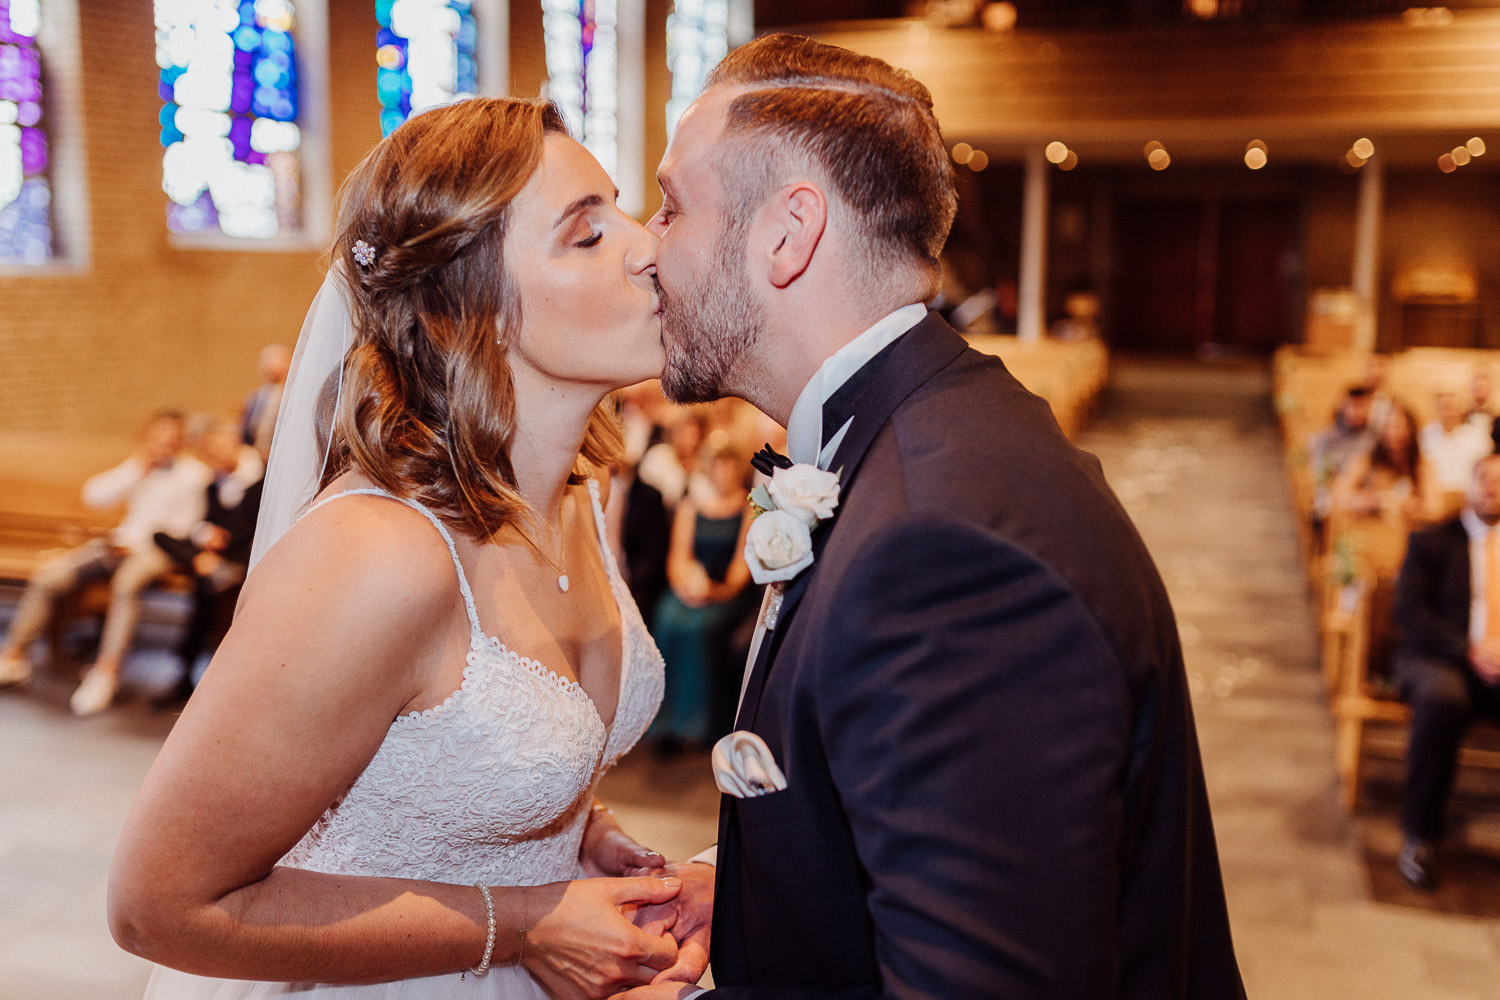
pixel 584 270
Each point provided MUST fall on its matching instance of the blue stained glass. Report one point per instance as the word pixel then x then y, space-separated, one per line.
pixel 262 84
pixel 26 226
pixel 268 74
pixel 393 84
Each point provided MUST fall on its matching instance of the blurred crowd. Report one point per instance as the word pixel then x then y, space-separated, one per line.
pixel 190 495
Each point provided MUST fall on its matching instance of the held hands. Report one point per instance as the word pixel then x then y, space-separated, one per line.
pixel 583 946
pixel 688 918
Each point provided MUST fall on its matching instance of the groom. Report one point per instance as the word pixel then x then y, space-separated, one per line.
pixel 975 692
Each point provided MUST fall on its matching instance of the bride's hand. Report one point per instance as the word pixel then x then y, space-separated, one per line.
pixel 579 944
pixel 607 850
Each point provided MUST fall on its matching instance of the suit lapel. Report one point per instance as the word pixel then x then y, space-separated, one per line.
pixel 870 396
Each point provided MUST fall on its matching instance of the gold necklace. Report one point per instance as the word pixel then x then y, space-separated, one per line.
pixel 562 574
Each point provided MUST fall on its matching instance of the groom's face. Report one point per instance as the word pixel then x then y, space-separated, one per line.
pixel 711 318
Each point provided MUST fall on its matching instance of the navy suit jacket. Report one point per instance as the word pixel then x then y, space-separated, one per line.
pixel 978 699
pixel 1434 591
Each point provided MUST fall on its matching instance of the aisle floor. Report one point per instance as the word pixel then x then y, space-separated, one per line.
pixel 1318 913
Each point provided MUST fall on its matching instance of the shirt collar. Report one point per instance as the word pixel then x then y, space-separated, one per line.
pixel 1477 529
pixel 804 428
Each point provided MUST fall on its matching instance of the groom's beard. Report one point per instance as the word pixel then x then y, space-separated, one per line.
pixel 709 328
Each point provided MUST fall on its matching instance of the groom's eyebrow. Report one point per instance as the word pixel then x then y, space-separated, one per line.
pixel 583 204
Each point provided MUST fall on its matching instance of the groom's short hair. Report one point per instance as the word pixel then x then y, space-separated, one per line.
pixel 868 126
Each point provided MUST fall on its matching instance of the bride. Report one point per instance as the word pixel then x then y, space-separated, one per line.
pixel 383 787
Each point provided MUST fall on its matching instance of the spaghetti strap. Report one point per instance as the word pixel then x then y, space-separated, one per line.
pixel 601 527
pixel 463 579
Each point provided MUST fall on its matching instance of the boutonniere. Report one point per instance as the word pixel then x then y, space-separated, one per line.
pixel 786 510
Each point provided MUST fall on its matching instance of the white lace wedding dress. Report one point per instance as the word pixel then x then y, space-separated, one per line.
pixel 493 785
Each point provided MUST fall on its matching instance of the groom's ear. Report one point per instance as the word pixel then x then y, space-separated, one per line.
pixel 798 216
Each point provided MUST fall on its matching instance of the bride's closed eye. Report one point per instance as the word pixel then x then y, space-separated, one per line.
pixel 592 239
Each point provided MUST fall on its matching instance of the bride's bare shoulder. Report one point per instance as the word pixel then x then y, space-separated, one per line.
pixel 365 547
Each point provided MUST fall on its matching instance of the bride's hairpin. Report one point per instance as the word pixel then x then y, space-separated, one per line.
pixel 364 253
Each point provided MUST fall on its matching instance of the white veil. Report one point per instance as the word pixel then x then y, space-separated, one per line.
pixel 299 446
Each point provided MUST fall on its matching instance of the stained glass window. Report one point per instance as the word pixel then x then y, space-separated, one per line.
pixel 583 72
pixel 229 87
pixel 25 195
pixel 425 56
pixel 697 38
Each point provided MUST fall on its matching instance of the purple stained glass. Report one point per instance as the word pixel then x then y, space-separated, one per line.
pixel 239 136
pixel 33 151
pixel 26 222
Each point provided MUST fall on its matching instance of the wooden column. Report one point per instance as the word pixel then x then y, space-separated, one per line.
pixel 1366 275
pixel 1031 308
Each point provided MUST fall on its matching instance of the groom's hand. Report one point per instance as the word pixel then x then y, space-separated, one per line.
pixel 688 918
pixel 607 850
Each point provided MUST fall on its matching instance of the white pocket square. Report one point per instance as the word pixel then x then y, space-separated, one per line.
pixel 744 767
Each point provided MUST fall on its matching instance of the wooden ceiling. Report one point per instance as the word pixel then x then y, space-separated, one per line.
pixel 1307 92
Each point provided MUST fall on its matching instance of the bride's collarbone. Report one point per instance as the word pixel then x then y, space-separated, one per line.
pixel 574 633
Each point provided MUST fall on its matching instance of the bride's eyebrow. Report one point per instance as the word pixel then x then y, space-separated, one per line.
pixel 583 204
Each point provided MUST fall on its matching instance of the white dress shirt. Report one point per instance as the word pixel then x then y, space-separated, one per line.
pixel 1479 534
pixel 1452 454
pixel 169 498
pixel 804 428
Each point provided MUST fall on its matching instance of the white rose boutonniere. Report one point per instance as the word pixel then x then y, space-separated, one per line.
pixel 778 545
pixel 806 492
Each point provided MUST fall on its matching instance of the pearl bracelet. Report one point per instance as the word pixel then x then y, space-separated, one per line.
pixel 489 941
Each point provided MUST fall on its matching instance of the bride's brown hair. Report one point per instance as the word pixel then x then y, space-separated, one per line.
pixel 427 406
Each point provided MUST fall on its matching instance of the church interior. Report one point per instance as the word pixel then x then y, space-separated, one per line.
pixel 1194 227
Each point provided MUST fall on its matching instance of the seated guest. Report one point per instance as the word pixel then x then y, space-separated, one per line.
pixel 1452 445
pixel 1332 448
pixel 1448 612
pixel 707 575
pixel 1390 480
pixel 217 550
pixel 163 490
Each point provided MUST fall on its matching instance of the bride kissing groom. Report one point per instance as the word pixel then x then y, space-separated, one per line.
pixel 965 762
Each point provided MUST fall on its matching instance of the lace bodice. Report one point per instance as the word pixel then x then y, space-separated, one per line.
pixel 495 783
